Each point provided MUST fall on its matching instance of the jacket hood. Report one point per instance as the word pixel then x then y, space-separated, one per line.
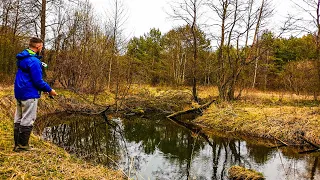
pixel 24 57
pixel 27 53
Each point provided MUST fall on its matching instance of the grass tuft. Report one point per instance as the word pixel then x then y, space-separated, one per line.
pixel 241 173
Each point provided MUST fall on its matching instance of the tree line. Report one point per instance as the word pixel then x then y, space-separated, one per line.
pixel 88 53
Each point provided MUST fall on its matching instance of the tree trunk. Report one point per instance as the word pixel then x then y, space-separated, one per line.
pixel 195 52
pixel 255 71
pixel 43 30
pixel 318 48
pixel 109 74
pixel 43 20
pixel 221 77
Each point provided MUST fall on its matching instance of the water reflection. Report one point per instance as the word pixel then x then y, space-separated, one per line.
pixel 157 148
pixel 88 137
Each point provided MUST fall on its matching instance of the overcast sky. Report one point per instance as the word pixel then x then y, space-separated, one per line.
pixel 146 14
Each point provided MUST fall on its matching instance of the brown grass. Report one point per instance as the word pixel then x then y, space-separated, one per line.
pixel 47 161
pixel 241 173
pixel 266 115
pixel 161 98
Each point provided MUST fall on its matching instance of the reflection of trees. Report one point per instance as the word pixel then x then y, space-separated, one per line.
pixel 225 153
pixel 259 153
pixel 180 144
pixel 314 167
pixel 174 141
pixel 87 136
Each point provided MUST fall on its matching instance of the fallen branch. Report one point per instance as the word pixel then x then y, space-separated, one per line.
pixel 309 142
pixel 193 128
pixel 89 112
pixel 312 144
pixel 193 110
pixel 309 151
pixel 282 142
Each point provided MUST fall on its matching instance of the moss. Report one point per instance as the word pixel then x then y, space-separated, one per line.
pixel 241 173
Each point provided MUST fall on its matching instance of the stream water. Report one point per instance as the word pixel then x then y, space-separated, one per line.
pixel 157 148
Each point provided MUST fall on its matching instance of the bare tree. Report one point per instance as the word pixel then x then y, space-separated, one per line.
pixel 81 49
pixel 115 27
pixel 240 22
pixel 309 22
pixel 189 11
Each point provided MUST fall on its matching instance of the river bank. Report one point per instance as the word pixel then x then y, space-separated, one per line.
pixel 47 161
pixel 280 116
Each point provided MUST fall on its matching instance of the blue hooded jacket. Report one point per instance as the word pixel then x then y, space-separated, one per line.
pixel 29 83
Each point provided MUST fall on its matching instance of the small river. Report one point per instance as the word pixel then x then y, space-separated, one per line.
pixel 157 148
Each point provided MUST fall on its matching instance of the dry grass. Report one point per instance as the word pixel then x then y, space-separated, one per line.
pixel 162 99
pixel 207 92
pixel 266 115
pixel 5 91
pixel 241 173
pixel 47 161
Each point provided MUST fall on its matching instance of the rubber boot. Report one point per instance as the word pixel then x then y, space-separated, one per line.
pixel 16 130
pixel 24 135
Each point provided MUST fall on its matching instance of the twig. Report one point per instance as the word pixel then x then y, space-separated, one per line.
pixel 281 160
pixel 131 164
pixel 193 110
pixel 309 151
pixel 309 142
pixel 117 165
pixel 282 142
pixel 90 113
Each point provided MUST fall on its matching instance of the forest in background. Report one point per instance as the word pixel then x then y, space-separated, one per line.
pixel 89 54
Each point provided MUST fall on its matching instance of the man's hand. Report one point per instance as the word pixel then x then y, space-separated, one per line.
pixel 53 93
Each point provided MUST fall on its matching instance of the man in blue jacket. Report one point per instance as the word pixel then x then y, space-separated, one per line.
pixel 27 90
